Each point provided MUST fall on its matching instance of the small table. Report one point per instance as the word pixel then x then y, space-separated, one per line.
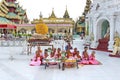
pixel 49 61
pixel 69 61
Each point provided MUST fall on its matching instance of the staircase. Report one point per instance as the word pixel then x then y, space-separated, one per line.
pixel 103 44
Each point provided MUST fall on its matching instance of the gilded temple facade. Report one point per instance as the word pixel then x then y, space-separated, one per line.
pixel 57 25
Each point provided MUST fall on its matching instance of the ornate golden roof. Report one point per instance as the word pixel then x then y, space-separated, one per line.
pixel 66 14
pixel 53 14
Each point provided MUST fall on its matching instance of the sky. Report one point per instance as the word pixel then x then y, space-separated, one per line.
pixel 34 7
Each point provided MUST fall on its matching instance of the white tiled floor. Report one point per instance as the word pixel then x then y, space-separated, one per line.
pixel 19 69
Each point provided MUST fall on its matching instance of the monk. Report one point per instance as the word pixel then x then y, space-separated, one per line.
pixel 77 56
pixel 92 59
pixel 53 52
pixel 85 56
pixel 75 52
pixel 46 53
pixel 58 53
pixel 39 53
pixel 69 54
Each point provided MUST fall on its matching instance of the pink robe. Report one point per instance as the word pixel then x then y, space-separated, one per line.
pixel 92 60
pixel 85 60
pixel 35 62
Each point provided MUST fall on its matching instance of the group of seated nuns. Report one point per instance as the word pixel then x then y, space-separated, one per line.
pixel 72 54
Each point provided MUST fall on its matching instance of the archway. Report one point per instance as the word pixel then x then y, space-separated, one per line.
pixel 103 34
pixel 103 27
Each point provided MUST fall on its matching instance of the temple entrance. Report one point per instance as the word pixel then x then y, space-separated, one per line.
pixel 103 32
pixel 105 29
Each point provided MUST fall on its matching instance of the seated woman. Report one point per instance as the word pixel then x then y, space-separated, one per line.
pixel 92 59
pixel 85 56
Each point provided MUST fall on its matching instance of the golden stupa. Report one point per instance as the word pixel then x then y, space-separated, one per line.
pixel 41 28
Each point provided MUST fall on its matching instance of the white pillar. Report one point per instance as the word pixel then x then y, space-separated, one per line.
pixel 94 43
pixel 112 29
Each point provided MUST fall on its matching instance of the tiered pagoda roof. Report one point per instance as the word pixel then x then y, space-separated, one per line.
pixel 53 14
pixel 11 12
pixel 66 14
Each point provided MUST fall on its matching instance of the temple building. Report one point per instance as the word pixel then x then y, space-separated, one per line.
pixel 57 25
pixel 104 21
pixel 11 14
pixel 80 23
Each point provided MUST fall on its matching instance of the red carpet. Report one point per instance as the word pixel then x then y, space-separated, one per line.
pixel 103 44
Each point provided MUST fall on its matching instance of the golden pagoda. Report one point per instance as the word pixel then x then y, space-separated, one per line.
pixel 57 25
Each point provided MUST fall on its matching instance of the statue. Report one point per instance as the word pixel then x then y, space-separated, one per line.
pixel 116 47
pixel 107 35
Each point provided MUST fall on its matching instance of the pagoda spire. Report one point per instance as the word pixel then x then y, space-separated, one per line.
pixel 40 15
pixel 66 14
pixel 87 7
pixel 53 14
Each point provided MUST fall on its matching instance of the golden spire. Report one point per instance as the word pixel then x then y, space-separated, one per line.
pixel 87 7
pixel 40 15
pixel 66 14
pixel 53 14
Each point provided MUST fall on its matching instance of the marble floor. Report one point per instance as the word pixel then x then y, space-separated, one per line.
pixel 19 69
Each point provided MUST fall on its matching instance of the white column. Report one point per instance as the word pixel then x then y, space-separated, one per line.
pixel 112 29
pixel 94 43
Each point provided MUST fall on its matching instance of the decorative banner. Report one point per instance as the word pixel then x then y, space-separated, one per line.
pixel 41 28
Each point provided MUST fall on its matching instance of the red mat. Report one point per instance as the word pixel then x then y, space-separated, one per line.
pixel 118 56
